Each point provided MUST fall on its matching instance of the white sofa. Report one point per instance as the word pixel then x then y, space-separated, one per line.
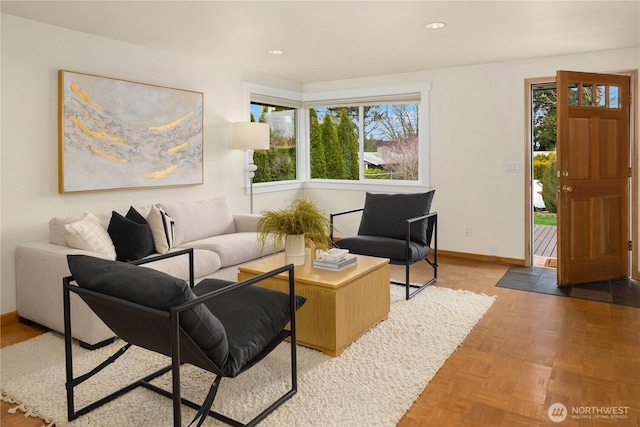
pixel 221 241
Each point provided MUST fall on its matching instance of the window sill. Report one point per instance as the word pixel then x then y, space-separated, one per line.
pixel 400 187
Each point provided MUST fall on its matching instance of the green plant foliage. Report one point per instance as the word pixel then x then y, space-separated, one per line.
pixel 545 218
pixel 283 163
pixel 349 143
pixel 261 160
pixel 318 161
pixel 301 217
pixel 279 162
pixel 372 173
pixel 544 119
pixel 540 164
pixel 332 149
pixel 550 187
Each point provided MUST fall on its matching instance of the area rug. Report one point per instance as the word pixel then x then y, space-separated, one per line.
pixel 373 382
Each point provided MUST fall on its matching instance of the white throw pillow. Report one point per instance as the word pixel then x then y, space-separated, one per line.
pixel 161 228
pixel 57 231
pixel 89 234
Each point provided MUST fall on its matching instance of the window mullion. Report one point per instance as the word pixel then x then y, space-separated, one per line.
pixel 361 141
pixel 303 164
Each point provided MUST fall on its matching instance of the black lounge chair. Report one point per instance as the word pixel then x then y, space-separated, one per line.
pixel 222 327
pixel 399 227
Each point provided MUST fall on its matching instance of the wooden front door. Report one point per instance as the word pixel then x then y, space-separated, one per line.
pixel 593 177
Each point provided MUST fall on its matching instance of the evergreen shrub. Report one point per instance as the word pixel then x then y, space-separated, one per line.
pixel 549 186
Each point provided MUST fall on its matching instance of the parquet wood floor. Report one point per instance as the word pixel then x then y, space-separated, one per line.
pixel 528 352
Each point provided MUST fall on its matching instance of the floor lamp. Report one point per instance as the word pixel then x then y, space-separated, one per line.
pixel 251 136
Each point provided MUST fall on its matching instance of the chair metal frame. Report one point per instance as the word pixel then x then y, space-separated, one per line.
pixel 432 224
pixel 176 344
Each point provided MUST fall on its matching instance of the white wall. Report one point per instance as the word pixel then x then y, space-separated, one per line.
pixel 477 124
pixel 32 54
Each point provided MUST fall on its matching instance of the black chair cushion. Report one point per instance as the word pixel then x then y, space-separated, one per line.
pixel 153 288
pixel 385 215
pixel 384 247
pixel 252 317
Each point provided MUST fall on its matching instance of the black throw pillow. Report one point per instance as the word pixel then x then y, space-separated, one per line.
pixel 131 236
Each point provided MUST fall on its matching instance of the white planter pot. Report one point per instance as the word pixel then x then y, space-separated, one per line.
pixel 294 249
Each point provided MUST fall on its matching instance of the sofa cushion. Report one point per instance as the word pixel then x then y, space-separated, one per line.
pixel 155 289
pixel 385 215
pixel 131 236
pixel 200 219
pixel 204 263
pixel 233 248
pixel 88 234
pixel 162 229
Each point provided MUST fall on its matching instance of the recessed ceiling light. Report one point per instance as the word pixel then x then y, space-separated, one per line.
pixel 435 25
pixel 275 52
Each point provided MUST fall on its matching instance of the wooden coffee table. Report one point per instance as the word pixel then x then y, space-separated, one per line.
pixel 341 305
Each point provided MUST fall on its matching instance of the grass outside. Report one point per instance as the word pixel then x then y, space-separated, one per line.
pixel 545 218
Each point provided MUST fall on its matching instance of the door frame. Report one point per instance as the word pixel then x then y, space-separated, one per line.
pixel 633 155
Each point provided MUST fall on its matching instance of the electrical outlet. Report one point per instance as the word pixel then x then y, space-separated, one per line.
pixel 467 230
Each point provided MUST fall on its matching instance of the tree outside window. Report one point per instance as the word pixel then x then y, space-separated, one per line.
pixel 279 162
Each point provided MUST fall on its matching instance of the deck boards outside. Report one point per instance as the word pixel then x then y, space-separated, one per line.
pixel 545 241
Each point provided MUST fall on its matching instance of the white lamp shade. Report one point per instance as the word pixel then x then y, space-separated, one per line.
pixel 251 135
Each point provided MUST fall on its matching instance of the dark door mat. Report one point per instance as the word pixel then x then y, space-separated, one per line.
pixel 544 281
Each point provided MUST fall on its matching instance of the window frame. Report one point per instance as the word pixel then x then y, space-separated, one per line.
pixel 365 94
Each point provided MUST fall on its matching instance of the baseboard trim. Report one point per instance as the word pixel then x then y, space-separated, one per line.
pixel 9 318
pixel 483 258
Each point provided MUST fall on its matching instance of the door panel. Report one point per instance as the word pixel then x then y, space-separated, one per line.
pixel 610 150
pixel 593 183
pixel 580 139
pixel 579 232
pixel 610 211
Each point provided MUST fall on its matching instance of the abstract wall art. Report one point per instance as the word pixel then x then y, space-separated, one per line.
pixel 119 134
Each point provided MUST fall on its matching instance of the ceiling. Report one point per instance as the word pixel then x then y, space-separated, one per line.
pixel 333 40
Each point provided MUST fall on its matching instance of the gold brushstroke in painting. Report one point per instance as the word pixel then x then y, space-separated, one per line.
pixel 95 134
pixel 178 147
pixel 173 123
pixel 80 93
pixel 162 173
pixel 108 156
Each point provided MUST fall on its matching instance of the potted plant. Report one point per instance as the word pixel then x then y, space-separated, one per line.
pixel 294 226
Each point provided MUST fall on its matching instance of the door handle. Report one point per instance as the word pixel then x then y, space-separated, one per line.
pixel 567 188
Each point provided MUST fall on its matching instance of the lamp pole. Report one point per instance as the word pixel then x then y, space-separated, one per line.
pixel 251 136
pixel 251 172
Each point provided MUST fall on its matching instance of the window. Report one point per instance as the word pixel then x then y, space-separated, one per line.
pixel 586 95
pixel 350 139
pixel 387 133
pixel 279 162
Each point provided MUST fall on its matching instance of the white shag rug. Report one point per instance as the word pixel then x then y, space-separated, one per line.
pixel 373 382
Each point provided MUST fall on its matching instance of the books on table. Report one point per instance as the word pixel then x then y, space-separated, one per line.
pixel 349 260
